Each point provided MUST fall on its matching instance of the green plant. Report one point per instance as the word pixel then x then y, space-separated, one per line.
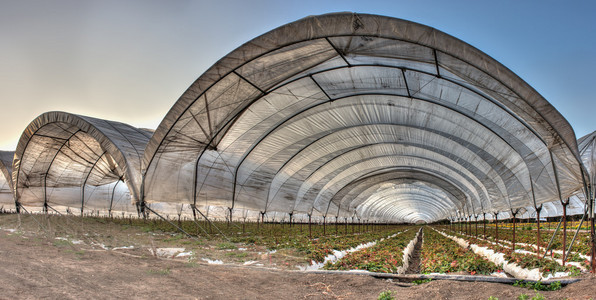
pixel 538 297
pixel 539 286
pixel 226 246
pixel 523 297
pixel 386 295
pixel 493 298
pixel 61 243
pixel 165 271
pixel 421 281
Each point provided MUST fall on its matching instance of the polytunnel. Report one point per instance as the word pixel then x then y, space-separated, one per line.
pixel 6 191
pixel 354 115
pixel 70 162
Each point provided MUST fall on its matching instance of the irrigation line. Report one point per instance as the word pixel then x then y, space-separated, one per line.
pixel 473 278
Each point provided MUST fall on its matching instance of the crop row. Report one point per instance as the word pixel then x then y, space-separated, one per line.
pixel 524 260
pixel 386 256
pixel 527 240
pixel 442 255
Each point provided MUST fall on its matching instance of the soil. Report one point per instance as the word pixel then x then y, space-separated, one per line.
pixel 37 265
pixel 414 266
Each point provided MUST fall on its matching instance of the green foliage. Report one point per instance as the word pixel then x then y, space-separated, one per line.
pixel 493 298
pixel 61 243
pixel 442 255
pixel 539 286
pixel 523 297
pixel 538 297
pixel 421 281
pixel 386 256
pixel 226 246
pixel 165 271
pixel 386 295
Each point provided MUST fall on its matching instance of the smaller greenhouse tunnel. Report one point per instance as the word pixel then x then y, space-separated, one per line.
pixel 6 190
pixel 70 162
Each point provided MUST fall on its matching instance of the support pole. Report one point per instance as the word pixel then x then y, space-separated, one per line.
pixel 484 225
pixel 496 227
pixel 514 214
pixel 565 229
pixel 309 227
pixel 230 220
pixel 346 220
pixel 324 221
pixel 538 239
pixel 476 225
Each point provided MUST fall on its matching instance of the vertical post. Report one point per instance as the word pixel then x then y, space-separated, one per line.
pixel 336 226
pixel 538 239
pixel 309 227
pixel 324 222
pixel 230 219
pixel 484 225
pixel 564 229
pixel 496 227
pixel 476 225
pixel 514 214
pixel 346 220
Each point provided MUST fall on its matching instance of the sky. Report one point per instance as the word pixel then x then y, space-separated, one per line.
pixel 129 61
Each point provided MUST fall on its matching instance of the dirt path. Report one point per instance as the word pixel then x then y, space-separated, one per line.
pixel 34 266
pixel 414 266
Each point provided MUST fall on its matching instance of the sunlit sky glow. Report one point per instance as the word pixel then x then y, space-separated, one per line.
pixel 129 61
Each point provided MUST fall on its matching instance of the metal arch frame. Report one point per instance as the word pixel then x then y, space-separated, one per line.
pixel 327 37
pixel 402 69
pixel 363 187
pixel 232 70
pixel 459 114
pixel 397 156
pixel 86 178
pixel 388 208
pixel 480 157
pixel 433 150
pixel 388 170
pixel 363 125
pixel 57 118
pixel 403 194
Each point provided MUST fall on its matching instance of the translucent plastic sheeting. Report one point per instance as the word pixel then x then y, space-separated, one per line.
pixel 360 194
pixel 79 162
pixel 587 149
pixel 292 117
pixel 6 190
pixel 575 207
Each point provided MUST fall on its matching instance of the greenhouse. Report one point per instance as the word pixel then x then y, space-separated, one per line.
pixel 70 162
pixel 351 115
pixel 6 199
pixel 337 144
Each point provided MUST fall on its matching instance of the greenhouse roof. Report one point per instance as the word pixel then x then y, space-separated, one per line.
pixel 351 114
pixel 59 154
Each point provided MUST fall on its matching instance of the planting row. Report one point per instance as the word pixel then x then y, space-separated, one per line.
pixel 386 256
pixel 519 259
pixel 527 240
pixel 442 255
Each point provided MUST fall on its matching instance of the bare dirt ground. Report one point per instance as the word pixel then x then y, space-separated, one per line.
pixel 35 264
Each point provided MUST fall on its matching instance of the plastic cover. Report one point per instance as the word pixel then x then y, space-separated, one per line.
pixel 69 161
pixel 293 117
pixel 6 191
